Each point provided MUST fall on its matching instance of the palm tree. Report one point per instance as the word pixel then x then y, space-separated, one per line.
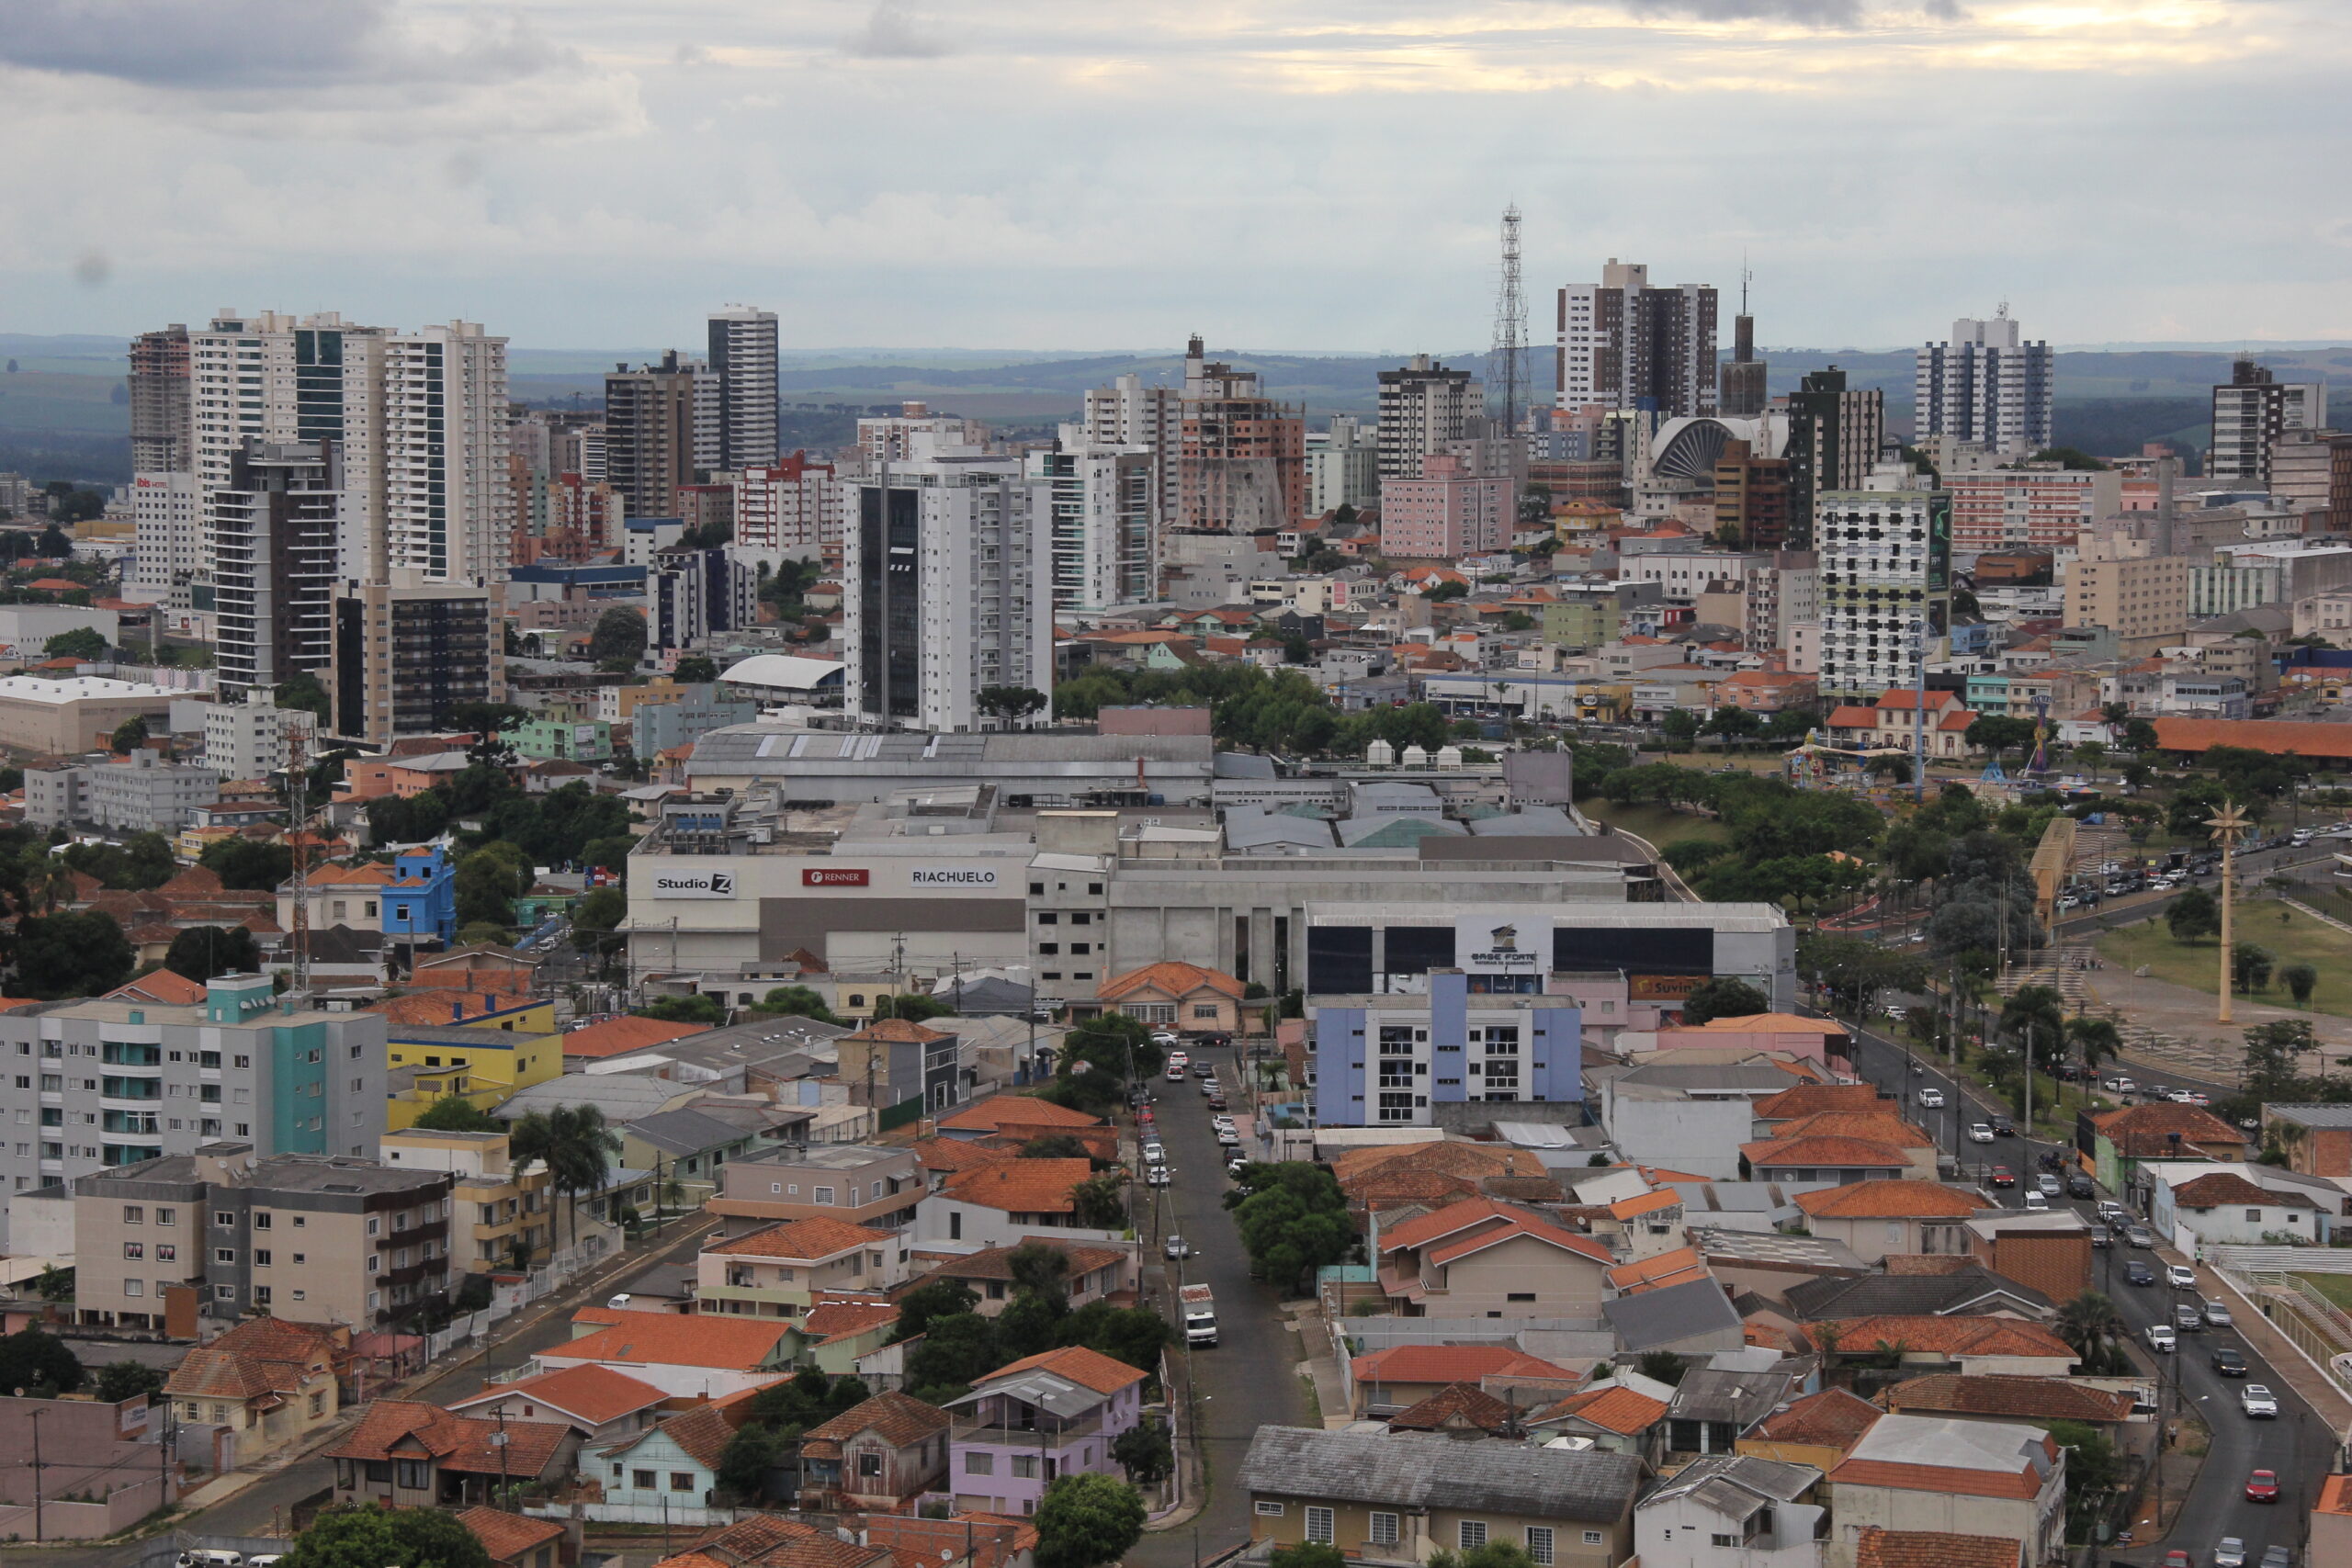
pixel 2089 1324
pixel 50 885
pixel 579 1152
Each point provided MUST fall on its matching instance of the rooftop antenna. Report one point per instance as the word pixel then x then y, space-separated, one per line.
pixel 1506 360
pixel 1746 274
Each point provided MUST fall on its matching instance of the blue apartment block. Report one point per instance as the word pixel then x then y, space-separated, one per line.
pixel 420 901
pixel 1384 1061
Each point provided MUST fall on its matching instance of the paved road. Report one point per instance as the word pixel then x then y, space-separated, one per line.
pixel 1248 1379
pixel 2297 1445
pixel 262 1508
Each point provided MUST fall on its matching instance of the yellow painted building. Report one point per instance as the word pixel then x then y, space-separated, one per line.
pixel 484 1062
pixel 499 1217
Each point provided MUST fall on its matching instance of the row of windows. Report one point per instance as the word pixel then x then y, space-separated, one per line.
pixel 1384 1529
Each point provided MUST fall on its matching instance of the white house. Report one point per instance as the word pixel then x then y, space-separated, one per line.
pixel 1955 1477
pixel 1734 1511
pixel 2195 1203
pixel 998 1204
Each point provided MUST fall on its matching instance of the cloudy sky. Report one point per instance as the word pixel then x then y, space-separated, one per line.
pixel 1275 174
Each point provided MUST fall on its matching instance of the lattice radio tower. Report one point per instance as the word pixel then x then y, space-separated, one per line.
pixel 1506 360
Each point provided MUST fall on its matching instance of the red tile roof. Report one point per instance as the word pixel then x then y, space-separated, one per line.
pixel 163 987
pixel 677 1339
pixel 1823 1152
pixel 508 1538
pixel 1677 1268
pixel 1021 1185
pixel 1948 1335
pixel 958 1153
pixel 1890 1200
pixel 1449 1363
pixel 1454 1405
pixel 1834 1418
pixel 1026 1108
pixel 812 1240
pixel 620 1036
pixel 592 1394
pixel 2032 1399
pixel 2023 1485
pixel 1621 1410
pixel 2229 1186
pixel 1881 1548
pixel 834 1320
pixel 898 1418
pixel 410 1429
pixel 1522 1225
pixel 2147 1131
pixel 1088 1368
pixel 1169 978
pixel 2329 742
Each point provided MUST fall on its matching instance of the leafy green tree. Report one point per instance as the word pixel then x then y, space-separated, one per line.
pixel 1118 1044
pixel 38 1361
pixel 248 863
pixel 2273 1059
pixel 72 955
pixel 2193 913
pixel 130 735
pixel 1724 997
pixel 798 1001
pixel 601 910
pixel 1134 1334
pixel 911 1007
pixel 1145 1453
pixel 1056 1145
pixel 620 634
pixel 1306 1554
pixel 1101 1202
pixel 455 1113
pixel 119 1381
pixel 695 670
pixel 1661 1366
pixel 375 1537
pixel 1014 704
pixel 941 1298
pixel 2092 1328
pixel 1086 1519
pixel 488 881
pixel 1293 1218
pixel 1733 724
pixel 1680 727
pixel 302 691
pixel 696 1008
pixel 2300 980
pixel 1998 733
pixel 2095 1039
pixel 754 1451
pixel 81 643
pixel 2251 965
pixel 2040 1008
pixel 957 1351
pixel 576 1145
pixel 200 953
pixel 1493 1554
pixel 416 819
pixel 1037 1266
pixel 1029 1325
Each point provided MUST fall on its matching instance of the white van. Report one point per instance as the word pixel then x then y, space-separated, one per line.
pixel 205 1557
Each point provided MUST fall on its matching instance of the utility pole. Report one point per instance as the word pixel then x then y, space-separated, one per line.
pixel 36 1418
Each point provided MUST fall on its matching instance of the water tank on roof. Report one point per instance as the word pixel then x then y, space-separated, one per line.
pixel 1449 756
pixel 1416 757
pixel 1380 754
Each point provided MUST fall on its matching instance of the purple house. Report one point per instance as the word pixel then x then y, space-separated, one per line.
pixel 1044 1416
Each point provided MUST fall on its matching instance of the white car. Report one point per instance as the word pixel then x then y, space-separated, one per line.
pixel 2161 1339
pixel 1153 1153
pixel 1980 1133
pixel 1159 1176
pixel 2259 1403
pixel 2118 1086
pixel 2180 1276
pixel 1933 1098
pixel 2178 1096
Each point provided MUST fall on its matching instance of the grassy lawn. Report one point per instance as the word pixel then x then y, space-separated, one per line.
pixel 1661 825
pixel 2299 939
pixel 2336 1288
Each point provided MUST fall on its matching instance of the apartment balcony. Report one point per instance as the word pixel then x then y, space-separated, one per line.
pixel 1034 1439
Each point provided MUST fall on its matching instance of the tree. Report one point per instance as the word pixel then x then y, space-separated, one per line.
pixel 1997 733
pixel 38 1361
pixel 488 881
pixel 2273 1059
pixel 1493 1554
pixel 417 819
pixel 2300 980
pixel 755 1450
pixel 1038 1268
pixel 302 691
pixel 576 1145
pixel 695 670
pixel 2097 1039
pixel 2193 913
pixel 1085 1519
pixel 2070 457
pixel 81 643
pixel 1056 1145
pixel 912 1007
pixel 1680 728
pixel 924 1304
pixel 1724 997
pixel 200 953
pixel 600 911
pixel 957 1352
pixel 376 1536
pixel 620 634
pixel 2091 1326
pixel 1030 1324
pixel 1134 1334
pixel 1293 1218
pixel 1308 1554
pixel 2140 737
pixel 248 865
pixel 71 956
pixel 1014 703
pixel 696 1008
pixel 2251 966
pixel 1144 1451
pixel 130 735
pixel 797 1001
pixel 1100 1204
pixel 455 1113
pixel 1661 1366
pixel 119 1381
pixel 2040 1008
pixel 482 718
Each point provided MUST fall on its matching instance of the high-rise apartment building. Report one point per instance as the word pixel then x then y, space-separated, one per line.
pixel 169 533
pixel 277 526
pixel 1128 413
pixel 1834 438
pixel 159 388
pixel 2251 412
pixel 691 594
pixel 945 588
pixel 1342 467
pixel 249 740
pixel 896 438
pixel 1741 392
pixel 650 433
pixel 1885 553
pixel 2311 471
pixel 116 1081
pixel 1987 387
pixel 407 649
pixel 1751 497
pixel 788 508
pixel 1444 511
pixel 2038 506
pixel 1624 344
pixel 743 365
pixel 1242 465
pixel 1422 408
pixel 1103 532
pixel 2143 599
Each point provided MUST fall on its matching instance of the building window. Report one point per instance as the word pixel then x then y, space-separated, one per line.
pixel 223 1217
pixel 1592 1538
pixel 681 1480
pixel 822 1194
pixel 224 1254
pixel 132 1214
pixel 134 1250
pixel 1272 1510
pixel 979 1464
pixel 1384 1529
pixel 261 1295
pixel 641 1479
pixel 1539 1545
pixel 1025 1466
pixel 869 1464
pixel 1320 1525
pixel 261 1258
pixel 1474 1534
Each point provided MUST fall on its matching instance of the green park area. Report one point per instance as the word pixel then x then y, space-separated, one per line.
pixel 2336 1288
pixel 2289 936
pixel 1661 825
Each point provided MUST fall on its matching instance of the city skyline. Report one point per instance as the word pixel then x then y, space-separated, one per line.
pixel 595 177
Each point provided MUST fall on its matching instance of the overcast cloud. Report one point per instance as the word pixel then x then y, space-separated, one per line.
pixel 1059 173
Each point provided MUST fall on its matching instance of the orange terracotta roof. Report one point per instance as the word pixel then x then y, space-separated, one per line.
pixel 163 987
pixel 2229 1186
pixel 508 1537
pixel 1422 1229
pixel 900 1419
pixel 2023 1485
pixel 2329 742
pixel 1449 1363
pixel 1621 1410
pixel 1677 1268
pixel 811 1240
pixel 1889 1201
pixel 1522 1225
pixel 1846 717
pixel 620 1036
pixel 1950 1335
pixel 1834 1418
pixel 1820 1152
pixel 678 1340
pixel 844 1319
pixel 1778 1023
pixel 979 1539
pixel 1878 1547
pixel 1454 1405
pixel 1872 1126
pixel 1026 1109
pixel 1807 1099
pixel 2034 1399
pixel 2141 1131
pixel 1646 1203
pixel 1172 978
pixel 1088 1368
pixel 596 1394
pixel 957 1154
pixel 1021 1185
pixel 414 1428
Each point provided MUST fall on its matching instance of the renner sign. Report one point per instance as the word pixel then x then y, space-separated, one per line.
pixel 694 885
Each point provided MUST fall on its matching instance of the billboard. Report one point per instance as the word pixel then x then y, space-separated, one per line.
pixel 712 884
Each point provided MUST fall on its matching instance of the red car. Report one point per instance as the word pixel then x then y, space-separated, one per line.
pixel 2178 1559
pixel 2001 1176
pixel 2262 1486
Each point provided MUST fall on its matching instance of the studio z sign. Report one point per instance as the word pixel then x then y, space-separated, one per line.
pixel 694 885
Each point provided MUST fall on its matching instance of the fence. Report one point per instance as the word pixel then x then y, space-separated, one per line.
pixel 680 1515
pixel 2281 1260
pixel 544 1279
pixel 2303 1317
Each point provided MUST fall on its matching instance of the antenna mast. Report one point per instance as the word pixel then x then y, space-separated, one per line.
pixel 1506 360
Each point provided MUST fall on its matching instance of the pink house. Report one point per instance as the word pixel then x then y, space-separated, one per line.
pixel 1813 1039
pixel 1043 1416
pixel 1445 514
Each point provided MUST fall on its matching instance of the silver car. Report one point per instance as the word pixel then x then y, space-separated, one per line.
pixel 2229 1553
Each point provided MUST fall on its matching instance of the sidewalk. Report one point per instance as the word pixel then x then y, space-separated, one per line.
pixel 1322 1364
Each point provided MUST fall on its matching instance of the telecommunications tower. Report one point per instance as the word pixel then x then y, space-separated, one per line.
pixel 1506 360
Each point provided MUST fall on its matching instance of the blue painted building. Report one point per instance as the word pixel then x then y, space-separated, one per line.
pixel 1385 1061
pixel 420 901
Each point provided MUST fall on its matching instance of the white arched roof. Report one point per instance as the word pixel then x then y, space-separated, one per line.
pixel 782 673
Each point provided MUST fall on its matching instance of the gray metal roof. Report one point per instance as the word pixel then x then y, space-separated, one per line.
pixel 1973 1289
pixel 1735 1486
pixel 686 1131
pixel 1048 1392
pixel 1424 1471
pixel 622 1097
pixel 2310 1115
pixel 1653 1318
pixel 1742 1399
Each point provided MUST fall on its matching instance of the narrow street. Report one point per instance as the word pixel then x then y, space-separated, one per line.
pixel 1250 1378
